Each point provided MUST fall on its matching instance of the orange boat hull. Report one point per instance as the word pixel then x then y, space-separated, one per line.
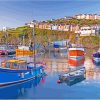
pixel 23 52
pixel 73 62
pixel 75 53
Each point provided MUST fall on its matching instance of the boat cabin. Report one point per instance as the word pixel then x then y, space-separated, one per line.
pixel 15 64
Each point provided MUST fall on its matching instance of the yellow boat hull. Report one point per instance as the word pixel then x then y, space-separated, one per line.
pixel 24 52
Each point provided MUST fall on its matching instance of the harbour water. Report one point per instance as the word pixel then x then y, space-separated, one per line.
pixel 46 87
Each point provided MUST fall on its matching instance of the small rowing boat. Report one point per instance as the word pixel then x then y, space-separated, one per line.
pixel 72 77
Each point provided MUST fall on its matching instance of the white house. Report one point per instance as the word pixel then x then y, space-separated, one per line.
pixel 66 27
pixel 97 27
pixel 87 31
pixel 88 16
pixel 81 16
pixel 54 27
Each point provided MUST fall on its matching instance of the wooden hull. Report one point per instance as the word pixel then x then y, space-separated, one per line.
pixel 75 52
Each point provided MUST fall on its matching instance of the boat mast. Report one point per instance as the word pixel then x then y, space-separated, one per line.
pixel 32 25
pixel 34 45
pixel 23 40
pixel 6 34
pixel 33 33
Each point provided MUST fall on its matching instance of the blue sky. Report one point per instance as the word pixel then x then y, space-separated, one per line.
pixel 17 13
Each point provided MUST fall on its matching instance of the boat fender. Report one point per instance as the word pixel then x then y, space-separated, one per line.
pixel 58 81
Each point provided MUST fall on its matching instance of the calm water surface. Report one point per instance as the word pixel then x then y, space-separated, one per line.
pixel 47 87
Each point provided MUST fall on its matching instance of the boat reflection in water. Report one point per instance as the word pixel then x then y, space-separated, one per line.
pixel 76 67
pixel 72 77
pixel 15 91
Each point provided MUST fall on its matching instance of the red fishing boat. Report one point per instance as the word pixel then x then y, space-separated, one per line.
pixel 75 52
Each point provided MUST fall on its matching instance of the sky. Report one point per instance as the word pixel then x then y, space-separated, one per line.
pixel 14 13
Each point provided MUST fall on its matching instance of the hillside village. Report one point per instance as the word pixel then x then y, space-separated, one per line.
pixel 88 28
pixel 83 24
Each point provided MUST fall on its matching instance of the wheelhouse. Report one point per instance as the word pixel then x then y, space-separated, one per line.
pixel 15 64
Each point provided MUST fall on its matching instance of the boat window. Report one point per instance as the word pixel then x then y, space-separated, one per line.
pixel 15 66
pixel 22 66
pixel 8 65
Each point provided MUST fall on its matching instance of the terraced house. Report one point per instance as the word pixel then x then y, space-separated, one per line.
pixel 89 30
pixel 88 16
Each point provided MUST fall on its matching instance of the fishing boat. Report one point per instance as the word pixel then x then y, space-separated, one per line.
pixel 17 71
pixel 96 56
pixel 76 52
pixel 24 51
pixel 72 76
pixel 7 50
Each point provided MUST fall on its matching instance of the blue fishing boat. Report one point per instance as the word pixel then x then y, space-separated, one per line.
pixel 96 57
pixel 16 71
